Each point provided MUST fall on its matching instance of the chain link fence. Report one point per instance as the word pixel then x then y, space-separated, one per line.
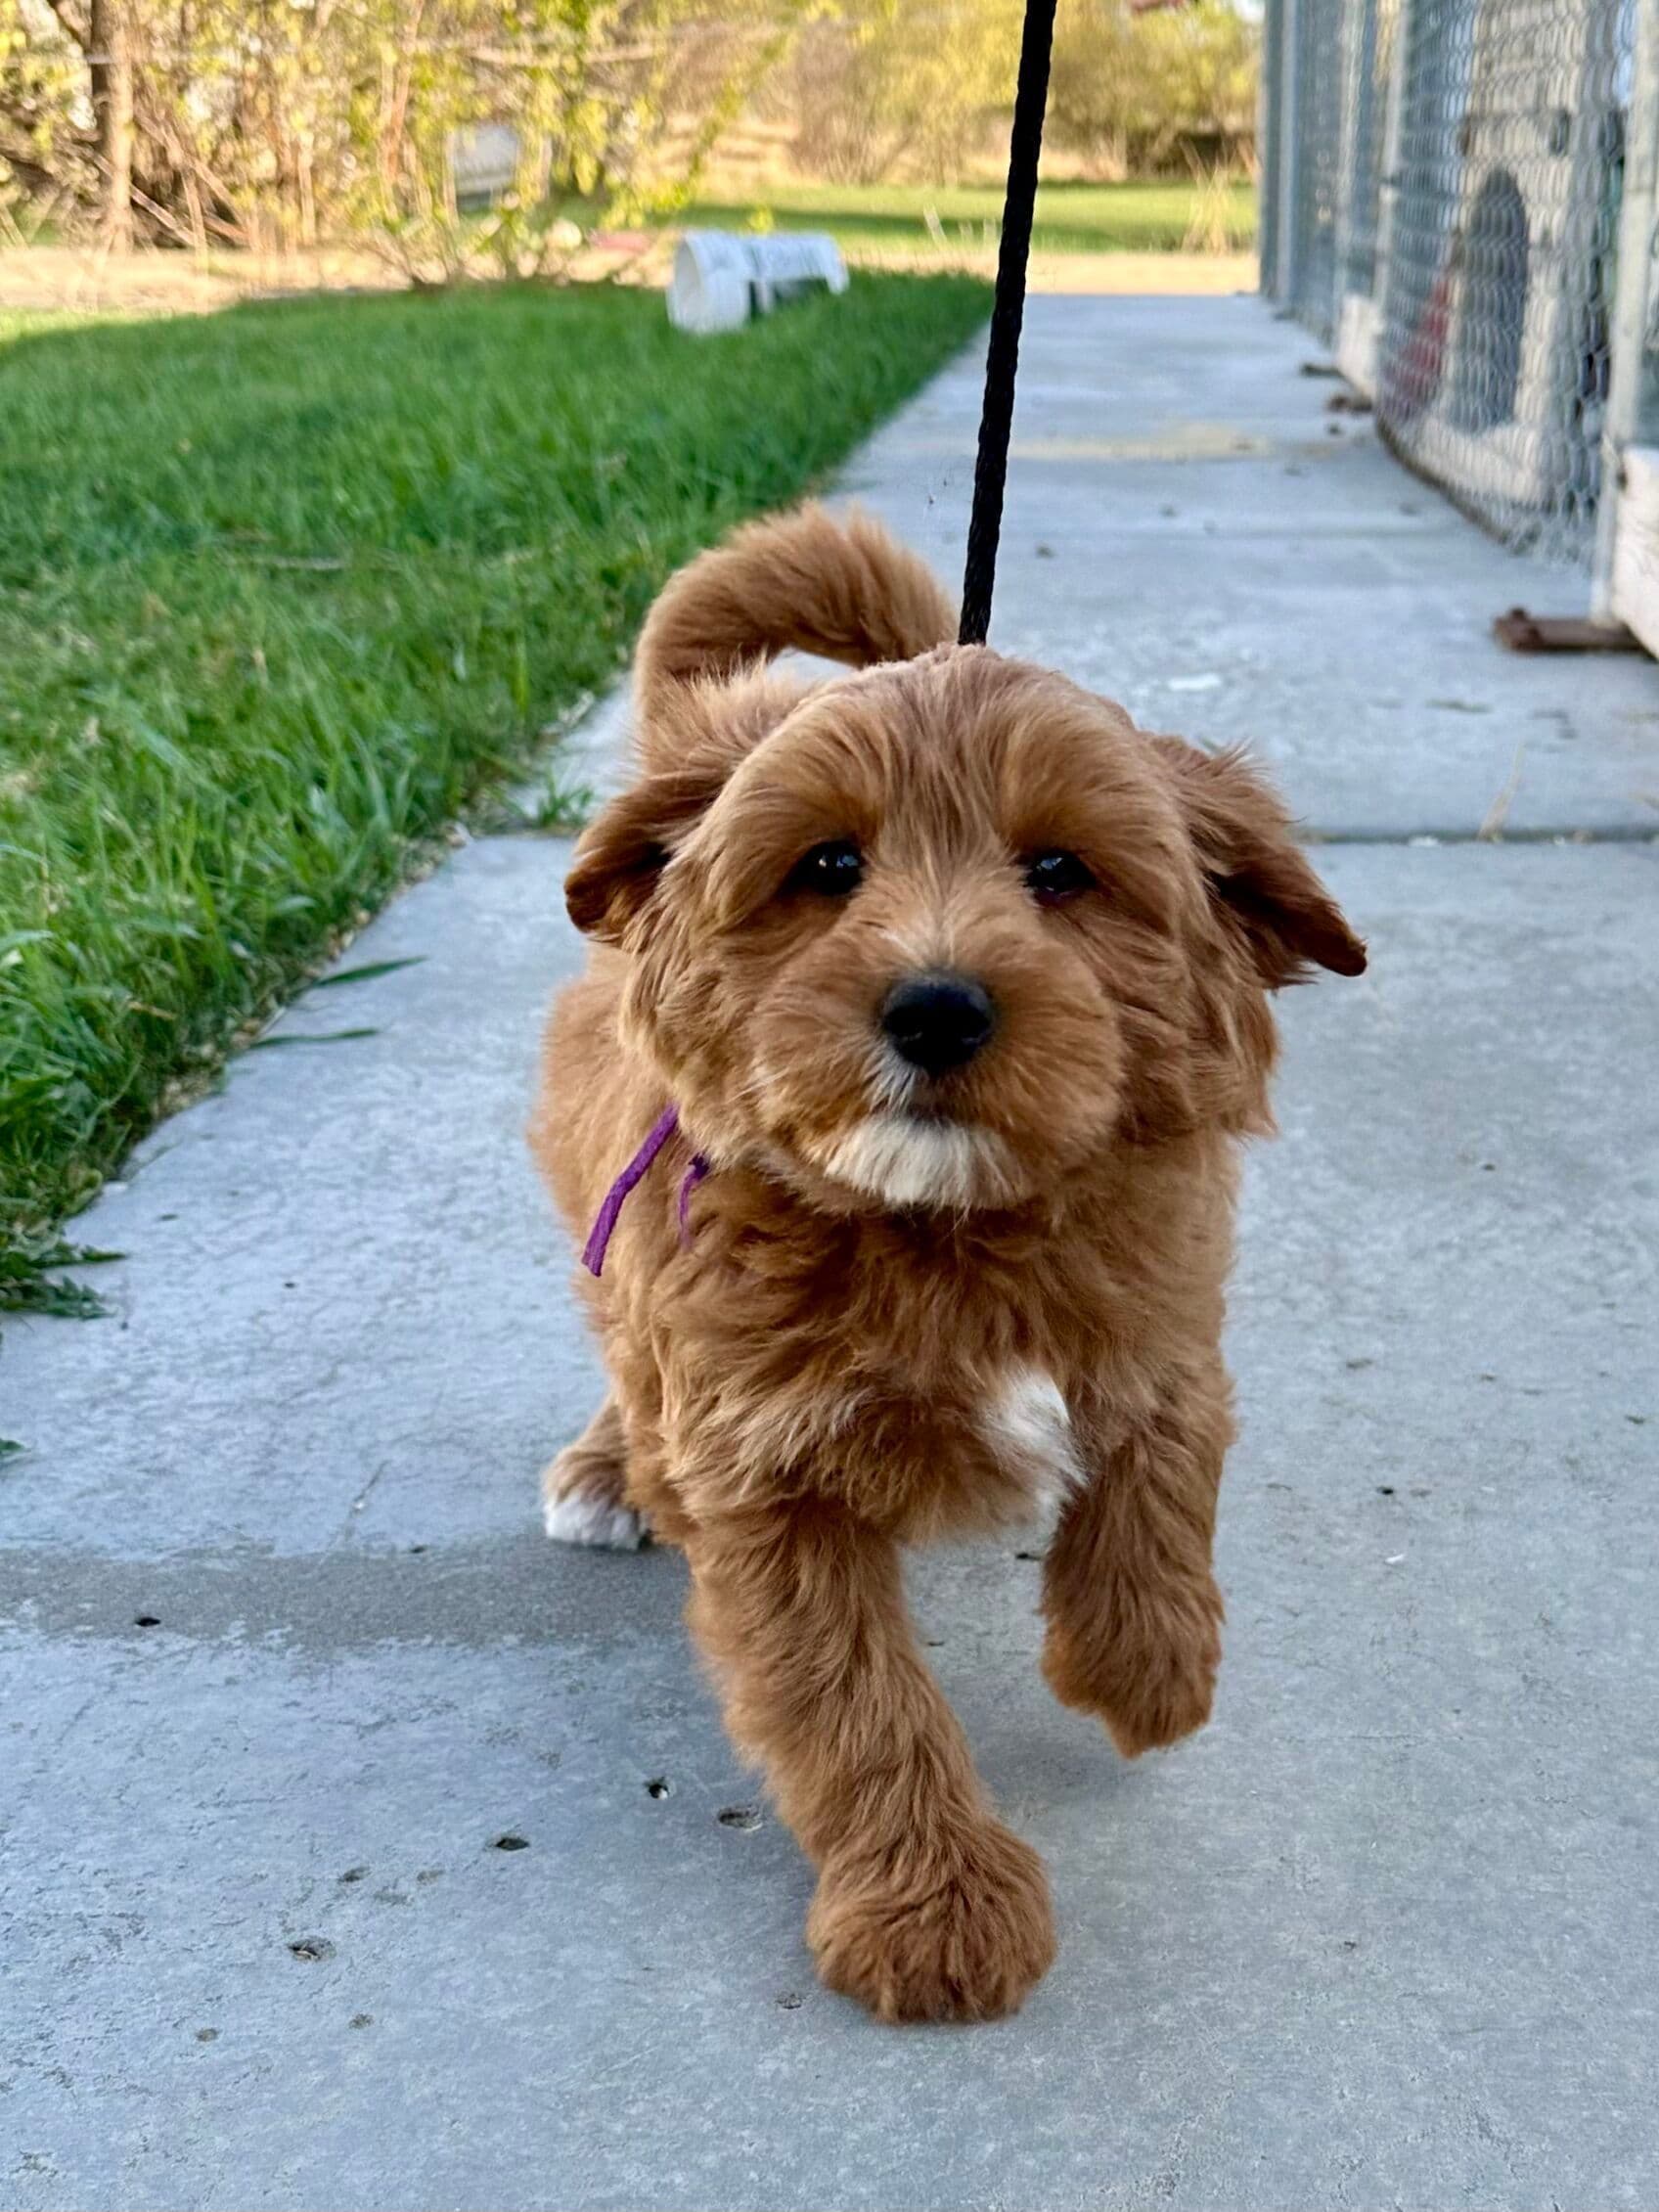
pixel 1444 195
pixel 1318 127
pixel 1368 62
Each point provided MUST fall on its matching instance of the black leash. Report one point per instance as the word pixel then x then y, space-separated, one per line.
pixel 1001 361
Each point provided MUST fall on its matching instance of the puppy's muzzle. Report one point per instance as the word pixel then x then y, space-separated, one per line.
pixel 938 1022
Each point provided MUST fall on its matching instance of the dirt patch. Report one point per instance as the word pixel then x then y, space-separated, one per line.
pixel 67 279
pixel 86 282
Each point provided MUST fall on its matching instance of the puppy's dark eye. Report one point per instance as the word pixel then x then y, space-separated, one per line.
pixel 1054 875
pixel 832 870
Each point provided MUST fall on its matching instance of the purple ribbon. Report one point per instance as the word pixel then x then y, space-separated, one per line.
pixel 610 1213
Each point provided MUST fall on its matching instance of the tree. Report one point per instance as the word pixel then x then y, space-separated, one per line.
pixel 280 121
pixel 110 65
pixel 903 84
pixel 275 122
pixel 1128 91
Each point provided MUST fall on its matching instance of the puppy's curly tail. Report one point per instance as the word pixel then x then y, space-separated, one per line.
pixel 842 589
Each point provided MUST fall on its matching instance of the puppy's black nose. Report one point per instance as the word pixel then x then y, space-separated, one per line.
pixel 938 1022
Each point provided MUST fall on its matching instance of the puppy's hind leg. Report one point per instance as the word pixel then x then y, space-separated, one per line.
pixel 584 1498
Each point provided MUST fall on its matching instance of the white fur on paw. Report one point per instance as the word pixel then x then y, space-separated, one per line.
pixel 579 1517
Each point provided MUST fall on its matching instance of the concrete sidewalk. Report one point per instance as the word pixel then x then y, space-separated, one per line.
pixel 1383 1935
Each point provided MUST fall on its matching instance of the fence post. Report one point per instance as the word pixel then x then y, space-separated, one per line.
pixel 1391 178
pixel 1627 375
pixel 1286 272
pixel 1349 42
pixel 1270 141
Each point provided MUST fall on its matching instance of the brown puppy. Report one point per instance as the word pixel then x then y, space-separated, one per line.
pixel 959 984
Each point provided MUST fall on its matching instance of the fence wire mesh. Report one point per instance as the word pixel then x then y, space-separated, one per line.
pixel 1455 169
pixel 1318 139
pixel 1367 62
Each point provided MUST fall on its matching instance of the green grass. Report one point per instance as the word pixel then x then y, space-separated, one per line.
pixel 282 587
pixel 1071 218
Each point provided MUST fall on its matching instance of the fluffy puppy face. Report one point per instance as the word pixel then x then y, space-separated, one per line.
pixel 948 929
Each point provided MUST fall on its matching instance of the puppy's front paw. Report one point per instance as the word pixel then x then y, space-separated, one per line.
pixel 582 1501
pixel 576 1516
pixel 961 1934
pixel 1148 1693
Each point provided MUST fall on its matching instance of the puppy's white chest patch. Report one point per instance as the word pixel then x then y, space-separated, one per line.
pixel 1027 1425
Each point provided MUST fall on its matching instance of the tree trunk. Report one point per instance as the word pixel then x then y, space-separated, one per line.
pixel 110 61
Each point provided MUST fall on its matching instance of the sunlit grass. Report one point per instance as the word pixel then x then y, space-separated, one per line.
pixel 281 588
pixel 1071 218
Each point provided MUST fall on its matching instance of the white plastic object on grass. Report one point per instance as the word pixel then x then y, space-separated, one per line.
pixel 721 279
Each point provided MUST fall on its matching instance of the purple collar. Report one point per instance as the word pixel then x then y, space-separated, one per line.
pixel 610 1213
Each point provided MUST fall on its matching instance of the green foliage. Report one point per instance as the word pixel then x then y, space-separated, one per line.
pixel 271 123
pixel 282 589
pixel 1127 92
pixel 262 121
pixel 893 84
pixel 896 87
pixel 27 1283
pixel 44 156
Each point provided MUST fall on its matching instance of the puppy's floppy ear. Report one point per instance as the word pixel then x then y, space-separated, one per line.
pixel 687 757
pixel 1255 869
pixel 624 851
